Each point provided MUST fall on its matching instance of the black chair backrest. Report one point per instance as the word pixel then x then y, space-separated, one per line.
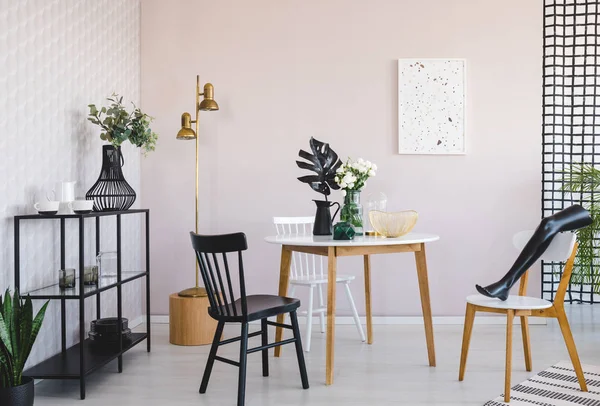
pixel 211 253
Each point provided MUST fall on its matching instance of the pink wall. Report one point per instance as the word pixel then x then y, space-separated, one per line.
pixel 287 70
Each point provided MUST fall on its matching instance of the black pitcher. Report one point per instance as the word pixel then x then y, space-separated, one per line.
pixel 323 218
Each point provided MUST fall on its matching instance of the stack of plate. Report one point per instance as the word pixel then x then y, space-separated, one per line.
pixel 106 333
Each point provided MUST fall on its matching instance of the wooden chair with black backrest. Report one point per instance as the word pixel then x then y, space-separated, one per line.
pixel 212 255
pixel 562 248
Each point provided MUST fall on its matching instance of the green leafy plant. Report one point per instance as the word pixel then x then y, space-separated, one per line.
pixel 18 331
pixel 582 181
pixel 323 162
pixel 118 125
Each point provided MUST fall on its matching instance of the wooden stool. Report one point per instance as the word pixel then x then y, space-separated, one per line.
pixel 189 322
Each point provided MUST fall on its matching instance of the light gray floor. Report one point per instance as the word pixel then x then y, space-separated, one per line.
pixel 392 371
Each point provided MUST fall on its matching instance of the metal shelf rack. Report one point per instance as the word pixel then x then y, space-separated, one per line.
pixel 83 358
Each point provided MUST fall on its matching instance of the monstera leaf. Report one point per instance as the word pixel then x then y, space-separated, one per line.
pixel 323 162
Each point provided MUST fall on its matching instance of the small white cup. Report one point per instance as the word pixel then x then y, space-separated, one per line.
pixel 79 206
pixel 50 207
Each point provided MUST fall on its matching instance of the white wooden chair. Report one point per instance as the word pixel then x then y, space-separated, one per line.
pixel 563 248
pixel 307 270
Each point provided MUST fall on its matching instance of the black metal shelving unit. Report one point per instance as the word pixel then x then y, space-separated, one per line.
pixel 82 359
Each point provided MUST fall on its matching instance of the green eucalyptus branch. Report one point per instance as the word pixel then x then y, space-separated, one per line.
pixel 119 125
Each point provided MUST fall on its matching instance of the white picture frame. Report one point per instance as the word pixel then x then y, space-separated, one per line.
pixel 432 106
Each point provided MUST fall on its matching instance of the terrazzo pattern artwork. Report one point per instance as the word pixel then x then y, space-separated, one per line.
pixel 431 106
pixel 56 57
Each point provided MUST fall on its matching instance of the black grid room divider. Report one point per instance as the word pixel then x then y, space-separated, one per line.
pixel 571 113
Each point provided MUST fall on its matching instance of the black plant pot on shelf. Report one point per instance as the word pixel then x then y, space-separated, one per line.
pixel 111 192
pixel 21 395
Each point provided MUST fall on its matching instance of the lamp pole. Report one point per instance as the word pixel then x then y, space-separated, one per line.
pixel 186 133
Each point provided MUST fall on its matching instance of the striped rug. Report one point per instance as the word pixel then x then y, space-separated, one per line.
pixel 556 386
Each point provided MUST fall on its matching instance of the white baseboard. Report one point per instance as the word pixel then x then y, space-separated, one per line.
pixel 390 320
pixel 137 321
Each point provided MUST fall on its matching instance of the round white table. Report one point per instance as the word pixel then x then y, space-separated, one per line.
pixel 365 246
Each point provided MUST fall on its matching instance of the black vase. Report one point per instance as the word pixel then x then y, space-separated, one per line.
pixel 111 192
pixel 323 217
pixel 21 395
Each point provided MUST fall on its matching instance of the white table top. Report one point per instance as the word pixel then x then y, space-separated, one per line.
pixel 328 241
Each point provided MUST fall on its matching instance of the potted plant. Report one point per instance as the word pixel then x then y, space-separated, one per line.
pixel 111 191
pixel 582 181
pixel 18 331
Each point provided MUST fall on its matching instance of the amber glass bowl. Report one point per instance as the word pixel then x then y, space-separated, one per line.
pixel 393 224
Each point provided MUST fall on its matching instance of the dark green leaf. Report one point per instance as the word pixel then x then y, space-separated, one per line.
pixel 309 178
pixel 5 335
pixel 324 163
pixel 8 322
pixel 15 335
pixel 25 330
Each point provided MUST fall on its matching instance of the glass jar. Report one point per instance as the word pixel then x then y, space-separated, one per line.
pixel 375 201
pixel 66 278
pixel 90 275
pixel 352 211
pixel 107 264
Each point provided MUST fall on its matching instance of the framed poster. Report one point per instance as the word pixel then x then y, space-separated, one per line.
pixel 431 106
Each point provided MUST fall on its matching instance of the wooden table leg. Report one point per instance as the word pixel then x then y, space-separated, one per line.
pixel 367 260
pixel 331 287
pixel 421 261
pixel 284 278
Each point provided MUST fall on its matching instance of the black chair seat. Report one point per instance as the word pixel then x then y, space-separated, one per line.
pixel 259 307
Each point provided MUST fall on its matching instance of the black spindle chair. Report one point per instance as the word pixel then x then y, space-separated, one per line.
pixel 211 252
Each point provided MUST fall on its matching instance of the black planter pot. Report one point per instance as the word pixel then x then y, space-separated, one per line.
pixel 111 192
pixel 21 395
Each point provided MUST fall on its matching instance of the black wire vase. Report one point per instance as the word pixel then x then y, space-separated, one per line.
pixel 111 192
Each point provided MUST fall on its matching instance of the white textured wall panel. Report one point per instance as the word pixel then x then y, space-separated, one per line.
pixel 56 57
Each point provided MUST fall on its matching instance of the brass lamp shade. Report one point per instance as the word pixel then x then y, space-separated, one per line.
pixel 209 103
pixel 186 132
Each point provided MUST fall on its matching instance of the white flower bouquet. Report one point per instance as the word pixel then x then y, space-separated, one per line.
pixel 354 175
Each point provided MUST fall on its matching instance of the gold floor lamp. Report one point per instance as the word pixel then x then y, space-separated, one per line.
pixel 186 133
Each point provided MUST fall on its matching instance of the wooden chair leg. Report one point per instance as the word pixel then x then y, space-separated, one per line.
pixel 568 336
pixel 309 315
pixel 299 353
pixel 265 341
pixel 510 318
pixel 242 372
pixel 469 318
pixel 211 356
pixel 526 342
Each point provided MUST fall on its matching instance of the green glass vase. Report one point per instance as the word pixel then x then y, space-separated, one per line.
pixel 343 231
pixel 352 211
